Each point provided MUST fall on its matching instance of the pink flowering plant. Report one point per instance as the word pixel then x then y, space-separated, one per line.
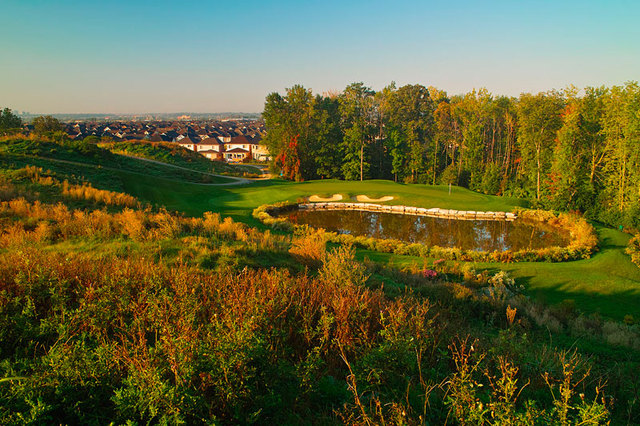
pixel 429 274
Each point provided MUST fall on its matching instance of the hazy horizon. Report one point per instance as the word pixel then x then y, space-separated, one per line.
pixel 137 113
pixel 77 57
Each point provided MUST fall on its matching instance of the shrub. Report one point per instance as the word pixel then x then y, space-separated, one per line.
pixel 87 192
pixel 621 334
pixel 633 249
pixel 309 249
pixel 501 287
pixel 128 338
pixel 340 268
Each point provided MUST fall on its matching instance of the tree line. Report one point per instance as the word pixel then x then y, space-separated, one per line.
pixel 565 150
pixel 44 125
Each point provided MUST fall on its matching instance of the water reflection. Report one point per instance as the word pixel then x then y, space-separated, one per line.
pixel 478 235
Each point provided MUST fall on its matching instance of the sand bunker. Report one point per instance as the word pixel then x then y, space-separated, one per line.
pixel 365 199
pixel 316 198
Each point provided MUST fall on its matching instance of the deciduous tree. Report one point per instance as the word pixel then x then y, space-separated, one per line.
pixel 46 124
pixel 9 122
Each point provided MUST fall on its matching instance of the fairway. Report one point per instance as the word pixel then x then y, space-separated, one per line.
pixel 239 201
pixel 608 283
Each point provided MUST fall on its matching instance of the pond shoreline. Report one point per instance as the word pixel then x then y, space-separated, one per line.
pixel 470 235
pixel 583 239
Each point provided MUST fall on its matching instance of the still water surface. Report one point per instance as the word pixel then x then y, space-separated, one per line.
pixel 479 235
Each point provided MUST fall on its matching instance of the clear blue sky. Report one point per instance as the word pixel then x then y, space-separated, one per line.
pixel 211 56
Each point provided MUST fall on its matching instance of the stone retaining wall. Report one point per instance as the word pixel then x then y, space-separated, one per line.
pixel 416 211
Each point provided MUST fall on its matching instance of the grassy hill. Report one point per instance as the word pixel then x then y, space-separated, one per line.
pixel 111 311
pixel 608 283
pixel 172 153
pixel 70 153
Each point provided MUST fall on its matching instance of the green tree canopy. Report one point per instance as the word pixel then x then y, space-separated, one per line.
pixel 46 124
pixel 357 118
pixel 9 121
pixel 288 123
pixel 564 150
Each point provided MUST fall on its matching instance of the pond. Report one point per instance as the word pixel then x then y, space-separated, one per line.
pixel 477 235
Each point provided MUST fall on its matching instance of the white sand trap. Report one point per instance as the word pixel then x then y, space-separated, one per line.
pixel 365 199
pixel 316 198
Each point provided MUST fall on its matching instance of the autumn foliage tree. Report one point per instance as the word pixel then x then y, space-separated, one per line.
pixel 288 122
pixel 289 160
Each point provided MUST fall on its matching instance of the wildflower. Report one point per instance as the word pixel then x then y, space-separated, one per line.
pixel 429 273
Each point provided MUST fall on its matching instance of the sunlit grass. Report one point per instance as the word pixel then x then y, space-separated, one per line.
pixel 607 283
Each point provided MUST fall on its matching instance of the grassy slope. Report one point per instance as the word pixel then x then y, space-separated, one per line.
pixel 172 153
pixel 607 283
pixel 239 201
pixel 30 152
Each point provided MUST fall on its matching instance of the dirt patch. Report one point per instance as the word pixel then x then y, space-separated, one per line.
pixel 317 198
pixel 365 199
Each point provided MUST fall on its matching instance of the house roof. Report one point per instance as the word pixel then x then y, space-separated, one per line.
pixel 234 150
pixel 242 140
pixel 155 138
pixel 186 141
pixel 211 141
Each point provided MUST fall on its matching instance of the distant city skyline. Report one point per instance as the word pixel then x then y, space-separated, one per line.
pixel 125 57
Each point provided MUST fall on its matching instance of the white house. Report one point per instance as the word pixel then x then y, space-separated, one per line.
pixel 210 144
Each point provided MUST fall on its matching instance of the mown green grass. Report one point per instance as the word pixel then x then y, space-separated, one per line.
pixel 239 201
pixel 607 283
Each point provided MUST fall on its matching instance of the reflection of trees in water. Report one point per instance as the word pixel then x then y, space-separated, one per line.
pixel 479 235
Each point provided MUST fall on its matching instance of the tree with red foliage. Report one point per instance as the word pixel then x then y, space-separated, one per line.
pixel 289 160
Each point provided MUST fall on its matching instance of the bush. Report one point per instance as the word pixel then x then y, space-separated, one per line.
pixel 340 268
pixel 125 337
pixel 633 249
pixel 309 248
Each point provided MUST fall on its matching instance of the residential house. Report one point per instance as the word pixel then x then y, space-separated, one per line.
pixel 187 142
pixel 211 148
pixel 236 155
pixel 260 152
pixel 240 142
pixel 237 149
